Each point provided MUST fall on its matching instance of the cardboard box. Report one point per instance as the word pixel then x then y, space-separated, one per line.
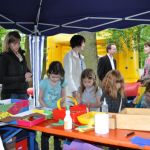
pixel 112 120
pixel 134 119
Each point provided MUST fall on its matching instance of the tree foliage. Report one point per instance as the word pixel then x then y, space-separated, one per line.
pixel 134 38
pixel 3 32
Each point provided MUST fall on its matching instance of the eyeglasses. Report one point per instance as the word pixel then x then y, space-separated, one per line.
pixel 90 78
pixel 119 81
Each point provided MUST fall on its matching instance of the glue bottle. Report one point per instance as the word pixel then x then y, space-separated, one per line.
pixel 104 106
pixel 67 120
pixel 31 103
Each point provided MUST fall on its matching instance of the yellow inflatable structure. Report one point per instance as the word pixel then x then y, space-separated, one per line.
pixel 127 60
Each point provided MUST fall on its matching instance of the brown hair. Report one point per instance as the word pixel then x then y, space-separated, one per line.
pixel 88 73
pixel 109 47
pixel 147 44
pixel 109 84
pixel 11 37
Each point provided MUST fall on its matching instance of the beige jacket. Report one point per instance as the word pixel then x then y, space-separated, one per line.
pixel 73 65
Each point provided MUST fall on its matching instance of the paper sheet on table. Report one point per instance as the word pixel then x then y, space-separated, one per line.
pixel 23 113
pixel 6 101
pixel 3 124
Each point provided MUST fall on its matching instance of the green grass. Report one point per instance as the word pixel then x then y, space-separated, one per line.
pixel 38 139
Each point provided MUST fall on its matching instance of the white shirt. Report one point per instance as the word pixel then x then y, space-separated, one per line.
pixel 89 96
pixel 111 61
pixel 73 66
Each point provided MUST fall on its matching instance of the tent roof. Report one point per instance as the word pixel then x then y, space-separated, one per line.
pixel 70 16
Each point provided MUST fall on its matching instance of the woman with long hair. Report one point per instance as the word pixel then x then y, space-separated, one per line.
pixel 14 74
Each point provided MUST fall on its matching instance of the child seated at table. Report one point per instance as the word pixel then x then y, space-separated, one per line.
pixel 113 91
pixel 89 92
pixel 52 89
pixel 144 102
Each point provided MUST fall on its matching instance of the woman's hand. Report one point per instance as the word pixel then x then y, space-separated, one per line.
pixel 28 79
pixel 28 76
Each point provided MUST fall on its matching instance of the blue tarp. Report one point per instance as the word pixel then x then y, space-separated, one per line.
pixel 70 16
pixel 48 17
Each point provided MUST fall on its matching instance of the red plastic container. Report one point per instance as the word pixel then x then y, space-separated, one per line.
pixel 30 123
pixel 75 111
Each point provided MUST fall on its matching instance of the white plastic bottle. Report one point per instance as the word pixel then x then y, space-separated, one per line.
pixel 104 106
pixel 31 103
pixel 67 120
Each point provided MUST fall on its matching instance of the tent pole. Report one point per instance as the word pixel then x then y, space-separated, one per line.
pixel 36 67
pixel 143 13
pixel 66 25
pixel 38 14
pixel 37 61
pixel 12 22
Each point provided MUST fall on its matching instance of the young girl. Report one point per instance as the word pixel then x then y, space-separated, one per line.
pixel 51 89
pixel 113 91
pixel 89 93
pixel 145 100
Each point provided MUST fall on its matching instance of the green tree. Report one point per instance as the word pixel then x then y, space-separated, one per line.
pixel 90 52
pixel 134 38
pixel 3 32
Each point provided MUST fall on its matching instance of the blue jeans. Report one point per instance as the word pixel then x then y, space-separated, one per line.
pixel 14 96
pixel 19 96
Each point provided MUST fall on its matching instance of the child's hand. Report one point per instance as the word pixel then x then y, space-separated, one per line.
pixel 88 105
pixel 63 101
pixel 75 94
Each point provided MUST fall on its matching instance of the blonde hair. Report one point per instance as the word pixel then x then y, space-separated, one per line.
pixel 109 84
pixel 87 73
pixel 11 37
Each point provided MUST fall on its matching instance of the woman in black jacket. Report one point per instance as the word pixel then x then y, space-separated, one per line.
pixel 14 73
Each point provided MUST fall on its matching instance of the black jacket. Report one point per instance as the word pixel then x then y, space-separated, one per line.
pixel 12 73
pixel 104 66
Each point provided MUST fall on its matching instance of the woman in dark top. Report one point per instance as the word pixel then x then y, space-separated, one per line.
pixel 14 74
pixel 113 91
